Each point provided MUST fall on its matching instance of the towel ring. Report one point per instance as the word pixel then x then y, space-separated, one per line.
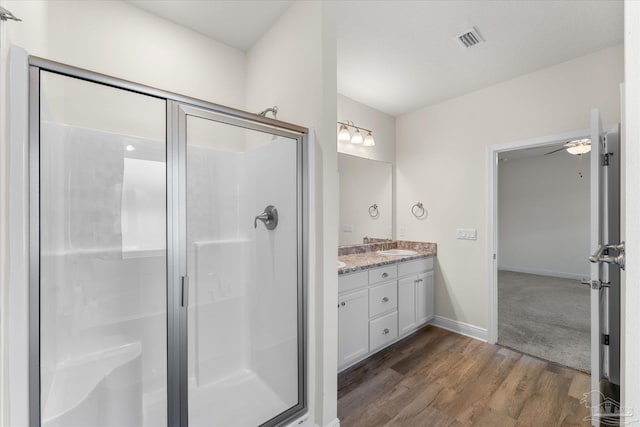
pixel 418 210
pixel 373 211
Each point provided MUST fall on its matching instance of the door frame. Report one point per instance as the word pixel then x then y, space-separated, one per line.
pixel 492 211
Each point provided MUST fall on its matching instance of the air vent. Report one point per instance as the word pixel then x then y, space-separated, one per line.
pixel 469 38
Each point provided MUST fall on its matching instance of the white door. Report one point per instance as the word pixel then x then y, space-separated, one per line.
pixel 424 297
pixel 606 261
pixel 353 331
pixel 406 305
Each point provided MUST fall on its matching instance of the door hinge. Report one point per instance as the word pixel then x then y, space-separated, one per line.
pixel 605 339
pixel 605 159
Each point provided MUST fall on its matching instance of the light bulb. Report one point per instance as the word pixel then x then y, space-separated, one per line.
pixel 343 134
pixel 369 141
pixel 357 137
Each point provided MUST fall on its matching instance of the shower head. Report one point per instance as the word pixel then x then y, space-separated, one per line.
pixel 273 110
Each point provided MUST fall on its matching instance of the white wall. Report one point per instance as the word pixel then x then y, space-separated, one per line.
pixel 441 161
pixel 363 183
pixel 116 39
pixel 293 66
pixel 543 215
pixel 120 40
pixel 4 242
pixel 630 365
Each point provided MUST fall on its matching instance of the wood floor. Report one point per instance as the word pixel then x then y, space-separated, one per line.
pixel 439 378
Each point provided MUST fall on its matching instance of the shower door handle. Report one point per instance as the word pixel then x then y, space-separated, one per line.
pixel 269 217
pixel 184 291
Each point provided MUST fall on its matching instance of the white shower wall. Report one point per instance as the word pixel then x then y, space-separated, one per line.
pixel 102 305
pixel 243 309
pixel 218 255
pixel 273 307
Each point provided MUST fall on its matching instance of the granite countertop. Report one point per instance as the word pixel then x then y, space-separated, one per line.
pixel 363 257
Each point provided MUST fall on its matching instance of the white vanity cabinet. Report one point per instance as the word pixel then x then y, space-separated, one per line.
pixel 415 301
pixel 378 306
pixel 353 333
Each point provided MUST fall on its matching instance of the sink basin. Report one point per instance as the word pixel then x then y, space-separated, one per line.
pixel 397 252
pixel 341 264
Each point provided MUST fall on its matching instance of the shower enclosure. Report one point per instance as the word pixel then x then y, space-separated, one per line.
pixel 167 258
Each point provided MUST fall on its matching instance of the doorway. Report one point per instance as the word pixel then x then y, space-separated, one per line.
pixel 543 251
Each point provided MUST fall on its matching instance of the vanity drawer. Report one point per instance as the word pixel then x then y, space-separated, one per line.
pixel 347 282
pixel 414 267
pixel 383 274
pixel 383 298
pixel 383 330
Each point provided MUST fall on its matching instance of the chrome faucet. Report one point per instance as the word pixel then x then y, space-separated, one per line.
pixel 269 217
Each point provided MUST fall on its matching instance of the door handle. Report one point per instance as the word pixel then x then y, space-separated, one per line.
pixel 599 255
pixel 184 291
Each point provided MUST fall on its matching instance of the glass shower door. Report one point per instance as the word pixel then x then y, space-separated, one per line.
pixel 100 181
pixel 245 359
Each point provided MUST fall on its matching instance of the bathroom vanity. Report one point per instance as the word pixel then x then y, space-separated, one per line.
pixel 382 298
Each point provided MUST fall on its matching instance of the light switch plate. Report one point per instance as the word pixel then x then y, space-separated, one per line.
pixel 467 234
pixel 347 228
pixel 402 231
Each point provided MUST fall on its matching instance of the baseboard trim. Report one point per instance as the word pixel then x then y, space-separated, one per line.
pixel 560 274
pixel 333 423
pixel 461 328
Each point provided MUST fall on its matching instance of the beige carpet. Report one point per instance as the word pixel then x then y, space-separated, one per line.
pixel 547 317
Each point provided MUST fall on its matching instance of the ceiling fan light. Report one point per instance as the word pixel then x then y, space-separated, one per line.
pixel 357 137
pixel 579 149
pixel 343 134
pixel 369 141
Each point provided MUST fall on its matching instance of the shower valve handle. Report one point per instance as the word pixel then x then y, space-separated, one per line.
pixel 269 217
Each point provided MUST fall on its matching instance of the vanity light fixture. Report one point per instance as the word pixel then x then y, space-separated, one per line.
pixel 344 135
pixel 356 138
pixel 369 141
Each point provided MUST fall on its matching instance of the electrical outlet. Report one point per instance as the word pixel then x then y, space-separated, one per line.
pixel 466 234
pixel 347 228
pixel 402 231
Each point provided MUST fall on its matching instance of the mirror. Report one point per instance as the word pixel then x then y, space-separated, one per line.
pixel 365 199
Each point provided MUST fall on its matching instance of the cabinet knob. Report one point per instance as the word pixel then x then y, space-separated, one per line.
pixel 385 299
pixel 343 303
pixel 385 332
pixel 385 274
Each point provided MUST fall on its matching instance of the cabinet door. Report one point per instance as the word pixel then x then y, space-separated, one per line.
pixel 353 326
pixel 406 305
pixel 424 297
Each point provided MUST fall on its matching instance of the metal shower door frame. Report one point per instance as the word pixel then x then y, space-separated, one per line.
pixel 179 112
pixel 177 106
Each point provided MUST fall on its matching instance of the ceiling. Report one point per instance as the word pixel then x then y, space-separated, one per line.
pixel 236 23
pixel 397 55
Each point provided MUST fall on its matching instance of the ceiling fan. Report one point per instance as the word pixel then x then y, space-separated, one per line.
pixel 575 147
